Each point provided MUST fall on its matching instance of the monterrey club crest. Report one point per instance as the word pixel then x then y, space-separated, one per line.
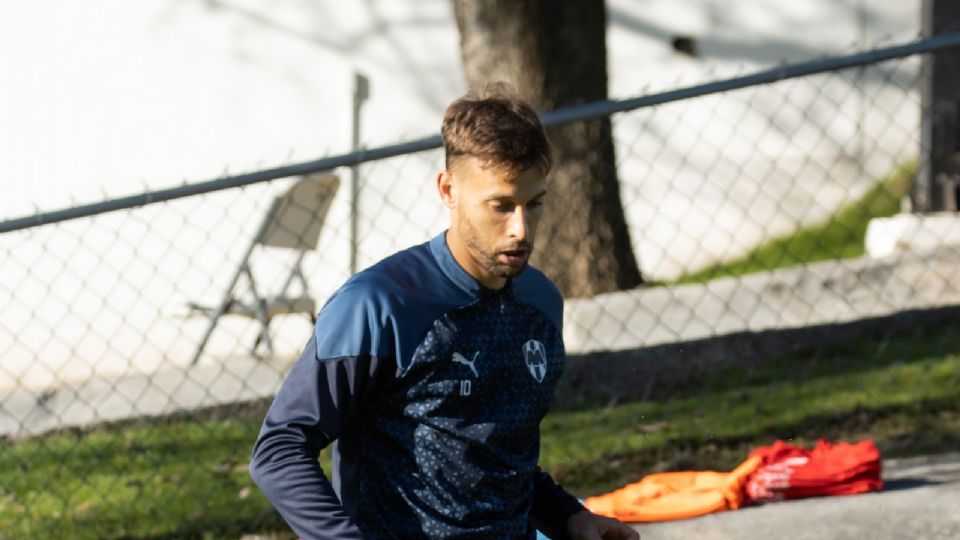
pixel 535 355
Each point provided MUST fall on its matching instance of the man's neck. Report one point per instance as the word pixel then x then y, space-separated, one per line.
pixel 462 255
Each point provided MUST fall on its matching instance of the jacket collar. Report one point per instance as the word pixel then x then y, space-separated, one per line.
pixel 452 269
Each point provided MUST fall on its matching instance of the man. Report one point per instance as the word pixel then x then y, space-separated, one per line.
pixel 431 371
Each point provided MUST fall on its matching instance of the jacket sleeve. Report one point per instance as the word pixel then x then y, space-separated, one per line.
pixel 552 506
pixel 318 398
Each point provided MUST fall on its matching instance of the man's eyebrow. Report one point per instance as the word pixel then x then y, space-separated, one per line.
pixel 508 198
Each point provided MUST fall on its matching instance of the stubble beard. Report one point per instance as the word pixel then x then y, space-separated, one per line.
pixel 487 258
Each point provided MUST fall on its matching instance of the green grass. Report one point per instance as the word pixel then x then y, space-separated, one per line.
pixel 187 477
pixel 176 478
pixel 903 392
pixel 840 237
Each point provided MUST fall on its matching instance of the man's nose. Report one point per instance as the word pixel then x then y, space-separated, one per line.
pixel 517 226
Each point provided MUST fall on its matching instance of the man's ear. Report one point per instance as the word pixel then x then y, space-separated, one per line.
pixel 447 189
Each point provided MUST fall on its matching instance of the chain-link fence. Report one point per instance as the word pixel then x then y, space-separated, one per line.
pixel 138 347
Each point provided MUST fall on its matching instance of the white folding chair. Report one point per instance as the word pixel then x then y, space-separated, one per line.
pixel 292 222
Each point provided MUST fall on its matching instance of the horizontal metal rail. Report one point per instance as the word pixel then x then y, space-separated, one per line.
pixel 560 116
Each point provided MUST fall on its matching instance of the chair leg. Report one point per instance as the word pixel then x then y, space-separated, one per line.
pixel 264 335
pixel 256 344
pixel 206 335
pixel 225 303
pixel 260 308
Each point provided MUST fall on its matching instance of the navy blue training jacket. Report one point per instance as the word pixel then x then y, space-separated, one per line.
pixel 431 388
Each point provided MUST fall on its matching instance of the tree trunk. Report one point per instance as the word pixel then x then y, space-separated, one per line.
pixel 554 54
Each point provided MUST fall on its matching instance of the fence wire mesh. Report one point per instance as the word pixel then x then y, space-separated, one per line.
pixel 784 295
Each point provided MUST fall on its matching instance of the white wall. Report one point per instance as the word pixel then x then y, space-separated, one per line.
pixel 114 96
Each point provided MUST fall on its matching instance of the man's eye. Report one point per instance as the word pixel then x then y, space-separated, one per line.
pixel 503 207
pixel 535 204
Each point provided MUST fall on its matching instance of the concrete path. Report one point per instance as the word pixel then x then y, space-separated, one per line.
pixel 921 500
pixel 25 412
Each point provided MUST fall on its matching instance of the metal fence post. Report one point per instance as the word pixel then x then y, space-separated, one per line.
pixel 361 91
pixel 938 178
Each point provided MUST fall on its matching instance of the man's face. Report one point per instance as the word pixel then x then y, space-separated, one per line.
pixel 494 217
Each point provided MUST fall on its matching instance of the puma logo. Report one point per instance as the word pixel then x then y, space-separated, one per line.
pixel 461 359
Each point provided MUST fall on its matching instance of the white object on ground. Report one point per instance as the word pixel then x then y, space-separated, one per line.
pixel 916 233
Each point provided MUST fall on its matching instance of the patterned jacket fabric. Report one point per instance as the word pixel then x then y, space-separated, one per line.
pixel 431 389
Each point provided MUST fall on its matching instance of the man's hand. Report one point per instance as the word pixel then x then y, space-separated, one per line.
pixel 586 525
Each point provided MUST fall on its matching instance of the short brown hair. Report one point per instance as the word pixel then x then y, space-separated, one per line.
pixel 497 127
